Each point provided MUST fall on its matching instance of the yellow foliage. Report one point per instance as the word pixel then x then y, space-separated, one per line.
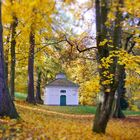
pixel 132 85
pixel 69 1
pixel 88 91
pixel 130 62
pixel 132 7
pixel 103 42
pixel 107 90
pixel 133 107
pixel 111 16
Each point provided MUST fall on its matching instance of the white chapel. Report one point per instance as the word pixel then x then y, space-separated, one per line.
pixel 61 91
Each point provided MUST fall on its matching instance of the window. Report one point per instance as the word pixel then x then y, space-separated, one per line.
pixel 63 91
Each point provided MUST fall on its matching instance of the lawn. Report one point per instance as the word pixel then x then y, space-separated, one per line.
pixel 20 96
pixel 81 110
pixel 37 124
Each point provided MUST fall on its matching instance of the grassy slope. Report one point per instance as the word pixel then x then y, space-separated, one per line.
pixel 73 109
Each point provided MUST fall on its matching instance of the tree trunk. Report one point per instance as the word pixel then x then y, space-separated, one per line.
pixel 117 111
pixel 104 108
pixel 13 57
pixel 7 56
pixel 103 113
pixel 30 97
pixel 7 107
pixel 38 92
pixel 120 70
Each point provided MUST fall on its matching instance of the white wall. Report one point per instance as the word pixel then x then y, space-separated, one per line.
pixel 52 95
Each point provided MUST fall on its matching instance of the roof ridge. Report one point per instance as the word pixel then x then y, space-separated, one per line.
pixel 62 82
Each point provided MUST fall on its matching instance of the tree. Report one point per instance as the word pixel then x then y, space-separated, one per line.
pixel 39 27
pixel 6 56
pixel 7 107
pixel 30 97
pixel 108 77
pixel 119 95
pixel 38 86
pixel 13 55
pixel 128 44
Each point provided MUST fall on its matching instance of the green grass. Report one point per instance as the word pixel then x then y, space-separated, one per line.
pixel 130 112
pixel 85 110
pixel 72 109
pixel 20 96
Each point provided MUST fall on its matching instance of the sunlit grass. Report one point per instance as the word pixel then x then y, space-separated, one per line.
pixel 72 109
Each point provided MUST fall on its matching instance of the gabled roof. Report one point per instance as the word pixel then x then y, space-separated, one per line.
pixel 62 82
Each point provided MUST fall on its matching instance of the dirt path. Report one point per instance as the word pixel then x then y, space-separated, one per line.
pixel 54 112
pixel 132 118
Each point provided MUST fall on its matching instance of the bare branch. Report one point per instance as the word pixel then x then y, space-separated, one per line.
pixel 77 46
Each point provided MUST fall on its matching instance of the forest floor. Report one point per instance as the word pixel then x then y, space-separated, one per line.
pixel 37 123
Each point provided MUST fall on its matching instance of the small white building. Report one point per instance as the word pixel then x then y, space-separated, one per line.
pixel 61 92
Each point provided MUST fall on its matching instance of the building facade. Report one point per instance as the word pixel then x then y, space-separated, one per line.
pixel 61 91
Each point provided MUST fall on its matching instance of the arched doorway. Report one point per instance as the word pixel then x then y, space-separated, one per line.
pixel 63 100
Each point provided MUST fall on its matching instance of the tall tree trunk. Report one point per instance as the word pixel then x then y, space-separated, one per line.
pixel 30 97
pixel 38 92
pixel 6 64
pixel 117 111
pixel 7 107
pixel 7 55
pixel 104 108
pixel 120 69
pixel 13 57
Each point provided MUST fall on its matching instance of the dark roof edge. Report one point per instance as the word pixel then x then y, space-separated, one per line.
pixel 49 84
pixel 61 86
